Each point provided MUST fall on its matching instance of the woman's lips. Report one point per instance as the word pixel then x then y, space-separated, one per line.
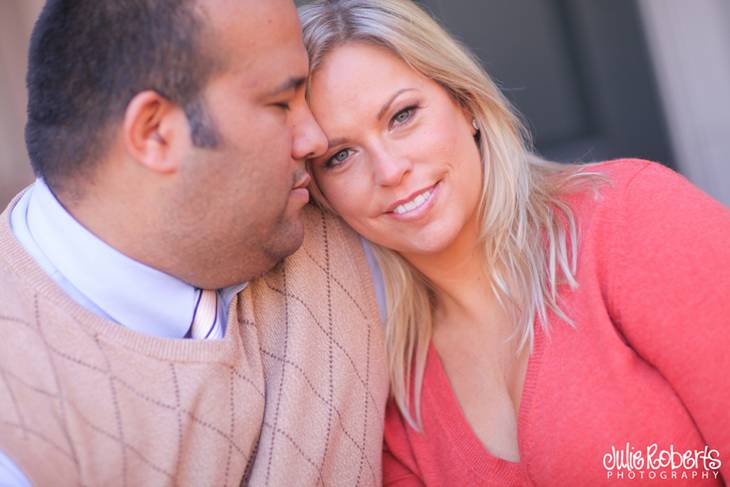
pixel 417 206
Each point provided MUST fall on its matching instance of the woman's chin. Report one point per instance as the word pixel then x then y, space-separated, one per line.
pixel 423 246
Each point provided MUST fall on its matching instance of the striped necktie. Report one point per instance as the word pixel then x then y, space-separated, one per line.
pixel 205 325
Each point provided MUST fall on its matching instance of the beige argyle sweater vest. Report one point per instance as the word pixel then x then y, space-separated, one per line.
pixel 293 395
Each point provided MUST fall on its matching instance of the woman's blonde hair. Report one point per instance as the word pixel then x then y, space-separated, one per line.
pixel 529 235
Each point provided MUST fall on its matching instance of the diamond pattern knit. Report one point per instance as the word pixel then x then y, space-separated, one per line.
pixel 293 394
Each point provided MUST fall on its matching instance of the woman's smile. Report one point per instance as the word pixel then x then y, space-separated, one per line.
pixel 416 206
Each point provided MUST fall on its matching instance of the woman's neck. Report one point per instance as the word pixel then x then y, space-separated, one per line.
pixel 458 276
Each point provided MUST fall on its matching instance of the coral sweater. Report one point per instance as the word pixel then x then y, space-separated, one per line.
pixel 647 367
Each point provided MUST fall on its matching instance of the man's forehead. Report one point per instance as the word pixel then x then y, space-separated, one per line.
pixel 269 72
pixel 256 17
pixel 253 34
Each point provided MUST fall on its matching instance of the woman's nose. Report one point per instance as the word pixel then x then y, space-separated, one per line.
pixel 390 168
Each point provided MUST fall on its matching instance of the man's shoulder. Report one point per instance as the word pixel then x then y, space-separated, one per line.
pixel 27 296
pixel 329 241
pixel 25 287
pixel 23 346
pixel 16 294
pixel 327 236
pixel 331 263
pixel 318 221
pixel 323 352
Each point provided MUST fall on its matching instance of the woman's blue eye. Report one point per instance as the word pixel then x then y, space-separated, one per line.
pixel 338 158
pixel 403 116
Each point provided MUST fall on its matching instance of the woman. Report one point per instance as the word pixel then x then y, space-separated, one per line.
pixel 547 324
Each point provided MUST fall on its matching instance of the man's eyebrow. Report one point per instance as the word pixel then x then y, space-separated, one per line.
pixel 391 100
pixel 292 83
pixel 334 142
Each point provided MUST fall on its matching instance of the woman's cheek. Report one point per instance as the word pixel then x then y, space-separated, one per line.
pixel 343 199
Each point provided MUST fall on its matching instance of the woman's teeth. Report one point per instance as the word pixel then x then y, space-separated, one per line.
pixel 416 202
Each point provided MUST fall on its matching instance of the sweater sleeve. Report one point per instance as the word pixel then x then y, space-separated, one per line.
pixel 669 286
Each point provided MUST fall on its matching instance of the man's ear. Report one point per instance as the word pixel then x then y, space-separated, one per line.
pixel 152 124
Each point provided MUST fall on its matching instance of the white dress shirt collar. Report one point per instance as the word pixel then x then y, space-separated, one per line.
pixel 99 276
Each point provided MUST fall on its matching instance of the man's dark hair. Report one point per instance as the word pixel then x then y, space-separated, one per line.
pixel 89 58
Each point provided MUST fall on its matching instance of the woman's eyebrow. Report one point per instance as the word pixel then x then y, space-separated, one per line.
pixel 391 100
pixel 341 140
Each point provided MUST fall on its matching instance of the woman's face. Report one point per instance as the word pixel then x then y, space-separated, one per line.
pixel 402 167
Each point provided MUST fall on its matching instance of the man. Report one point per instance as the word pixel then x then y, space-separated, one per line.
pixel 139 346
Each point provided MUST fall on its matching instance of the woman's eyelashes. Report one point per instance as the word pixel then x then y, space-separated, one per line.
pixel 401 118
pixel 338 158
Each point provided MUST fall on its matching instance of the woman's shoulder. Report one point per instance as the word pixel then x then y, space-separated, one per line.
pixel 627 167
pixel 622 184
pixel 638 206
pixel 638 185
pixel 633 200
pixel 620 174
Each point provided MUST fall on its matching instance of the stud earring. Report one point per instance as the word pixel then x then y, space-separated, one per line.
pixel 477 133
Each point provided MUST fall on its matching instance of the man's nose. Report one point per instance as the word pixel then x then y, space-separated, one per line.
pixel 309 141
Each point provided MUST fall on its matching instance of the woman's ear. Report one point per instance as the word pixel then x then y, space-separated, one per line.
pixel 471 120
pixel 151 126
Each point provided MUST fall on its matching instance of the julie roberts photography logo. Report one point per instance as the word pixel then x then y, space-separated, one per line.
pixel 652 462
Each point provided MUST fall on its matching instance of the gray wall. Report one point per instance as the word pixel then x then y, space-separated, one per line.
pixel 690 42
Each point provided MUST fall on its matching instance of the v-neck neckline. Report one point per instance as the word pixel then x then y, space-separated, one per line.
pixel 470 448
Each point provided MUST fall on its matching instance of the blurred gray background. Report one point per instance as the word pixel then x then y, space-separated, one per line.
pixel 593 79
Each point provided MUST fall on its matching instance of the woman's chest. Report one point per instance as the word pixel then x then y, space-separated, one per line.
pixel 486 378
pixel 594 398
pixel 579 411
